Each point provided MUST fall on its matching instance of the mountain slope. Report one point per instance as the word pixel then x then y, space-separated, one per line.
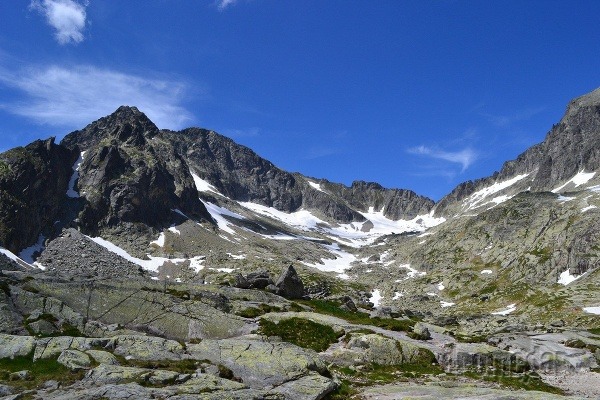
pixel 570 149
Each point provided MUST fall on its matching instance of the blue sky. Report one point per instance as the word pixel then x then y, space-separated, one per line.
pixel 411 94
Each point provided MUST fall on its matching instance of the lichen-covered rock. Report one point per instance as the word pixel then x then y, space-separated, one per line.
pixel 135 305
pixel 364 349
pixel 205 383
pixel 105 374
pixel 421 332
pixel 16 346
pixel 259 279
pixel 147 348
pixel 548 351
pixel 102 357
pixel 480 355
pixel 53 347
pixel 259 363
pixel 42 327
pixel 74 359
pixel 310 387
pixel 457 391
pixel 5 390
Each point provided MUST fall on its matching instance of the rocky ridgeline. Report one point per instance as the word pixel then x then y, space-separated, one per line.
pixel 571 146
pixel 240 174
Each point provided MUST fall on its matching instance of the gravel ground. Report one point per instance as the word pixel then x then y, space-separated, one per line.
pixel 583 384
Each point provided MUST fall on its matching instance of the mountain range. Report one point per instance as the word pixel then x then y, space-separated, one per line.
pixel 200 227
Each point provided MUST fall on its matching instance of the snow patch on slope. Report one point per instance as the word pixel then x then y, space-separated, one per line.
pixel 160 242
pixel 412 273
pixel 579 179
pixel 18 260
pixel 9 254
pixel 354 234
pixel 154 263
pixel 482 196
pixel 71 192
pixel 592 310
pixel 218 212
pixel 509 309
pixel 316 186
pixel 376 297
pixel 203 185
pixel 339 264
pixel 565 277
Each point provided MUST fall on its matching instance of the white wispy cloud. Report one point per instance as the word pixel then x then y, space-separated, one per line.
pixel 223 4
pixel 320 151
pixel 75 96
pixel 67 17
pixel 241 133
pixel 503 121
pixel 464 157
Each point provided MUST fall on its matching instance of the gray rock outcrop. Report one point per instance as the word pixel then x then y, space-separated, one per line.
pixel 289 284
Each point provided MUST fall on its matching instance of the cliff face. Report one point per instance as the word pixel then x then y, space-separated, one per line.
pixel 33 186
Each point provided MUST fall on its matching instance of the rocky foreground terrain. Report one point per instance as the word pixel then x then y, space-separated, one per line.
pixel 140 263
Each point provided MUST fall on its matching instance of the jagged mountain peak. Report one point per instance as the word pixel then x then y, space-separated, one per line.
pixel 126 124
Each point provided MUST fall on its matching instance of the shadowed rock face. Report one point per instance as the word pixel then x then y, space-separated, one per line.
pixel 128 176
pixel 33 185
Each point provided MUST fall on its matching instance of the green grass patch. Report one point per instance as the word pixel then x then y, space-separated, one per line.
pixel 374 374
pixel 543 253
pixel 261 309
pixel 41 371
pixel 595 331
pixel 301 332
pixel 344 391
pixel 181 366
pixel 469 338
pixel 333 308
pixel 527 381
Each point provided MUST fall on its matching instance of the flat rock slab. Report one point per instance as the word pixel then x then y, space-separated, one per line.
pixel 465 392
pixel 547 351
pixel 258 363
pixel 310 387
